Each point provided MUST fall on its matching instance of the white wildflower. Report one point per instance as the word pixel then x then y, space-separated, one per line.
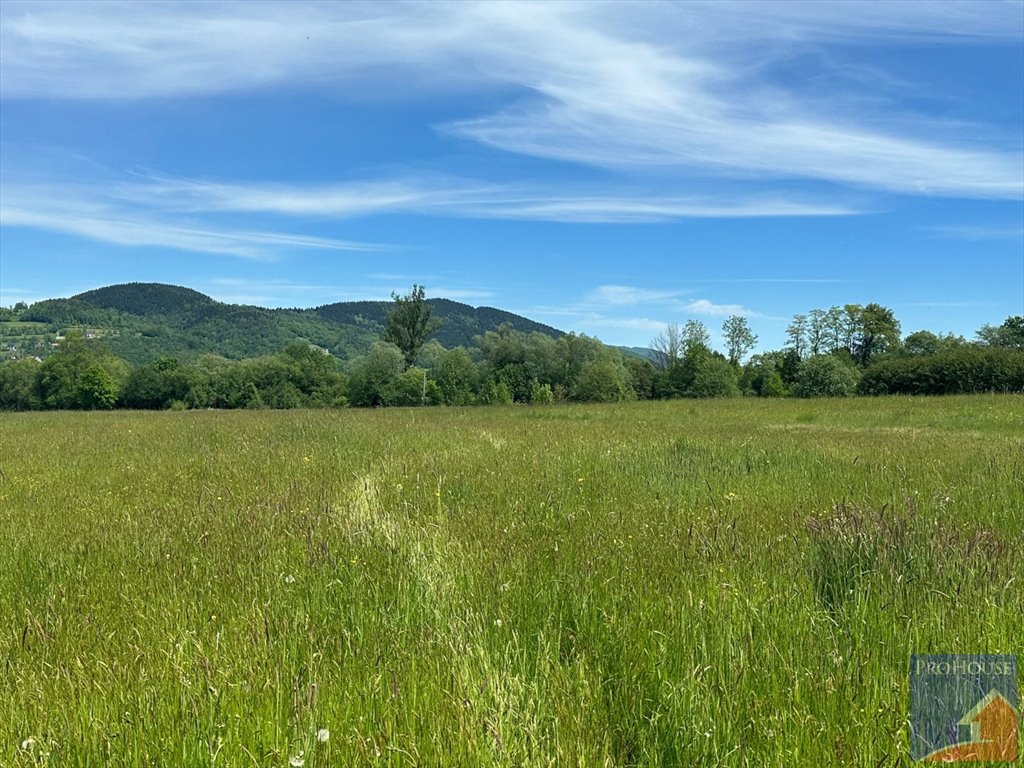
pixel 28 744
pixel 297 761
pixel 289 579
pixel 323 735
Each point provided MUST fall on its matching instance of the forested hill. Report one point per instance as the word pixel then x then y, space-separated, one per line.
pixel 460 322
pixel 143 321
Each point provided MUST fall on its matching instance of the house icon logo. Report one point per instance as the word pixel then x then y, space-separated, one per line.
pixel 963 708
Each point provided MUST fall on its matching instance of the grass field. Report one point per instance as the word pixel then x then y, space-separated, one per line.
pixel 675 583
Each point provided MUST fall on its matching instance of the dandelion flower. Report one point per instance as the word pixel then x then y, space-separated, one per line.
pixel 28 744
pixel 323 735
pixel 297 761
pixel 289 579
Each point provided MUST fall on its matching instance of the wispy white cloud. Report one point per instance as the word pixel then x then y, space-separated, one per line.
pixel 57 49
pixel 676 89
pixel 86 211
pixel 455 197
pixel 978 232
pixel 628 294
pixel 590 321
pixel 711 309
pixel 184 214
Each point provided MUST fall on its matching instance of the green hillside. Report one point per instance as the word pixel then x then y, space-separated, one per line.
pixel 143 321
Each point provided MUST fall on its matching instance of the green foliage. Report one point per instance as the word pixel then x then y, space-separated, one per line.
pixel 928 343
pixel 456 377
pixel 601 381
pixel 157 385
pixel 97 388
pixel 409 323
pixel 18 385
pixel 700 373
pixel 796 333
pixel 694 335
pixel 299 377
pixel 963 369
pixel 505 360
pixel 1010 334
pixel 541 394
pixel 572 352
pixel 496 393
pixel 642 374
pixel 517 359
pixel 412 387
pixel 861 332
pixel 81 375
pixel 739 339
pixel 371 377
pixel 710 375
pixel 879 332
pixel 825 376
pixel 315 374
pixel 761 376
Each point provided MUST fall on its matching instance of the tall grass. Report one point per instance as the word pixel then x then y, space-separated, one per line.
pixel 716 583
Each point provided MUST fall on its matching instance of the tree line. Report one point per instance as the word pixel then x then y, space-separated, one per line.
pixel 840 351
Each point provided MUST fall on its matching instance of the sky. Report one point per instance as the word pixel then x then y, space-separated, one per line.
pixel 604 168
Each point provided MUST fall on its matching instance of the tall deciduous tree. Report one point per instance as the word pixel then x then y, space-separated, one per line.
pixel 797 333
pixel 739 339
pixel 410 324
pixel 695 334
pixel 817 331
pixel 668 347
pixel 1009 334
pixel 852 326
pixel 880 332
pixel 834 335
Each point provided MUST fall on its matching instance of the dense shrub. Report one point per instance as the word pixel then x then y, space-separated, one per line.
pixel 963 369
pixel 601 381
pixel 18 386
pixel 825 376
pixel 541 394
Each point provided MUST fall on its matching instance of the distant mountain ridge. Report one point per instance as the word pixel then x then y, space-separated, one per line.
pixel 143 321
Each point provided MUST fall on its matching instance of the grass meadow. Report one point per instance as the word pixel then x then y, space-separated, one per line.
pixel 735 583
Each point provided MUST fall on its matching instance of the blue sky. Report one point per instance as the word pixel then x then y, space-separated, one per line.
pixel 603 168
